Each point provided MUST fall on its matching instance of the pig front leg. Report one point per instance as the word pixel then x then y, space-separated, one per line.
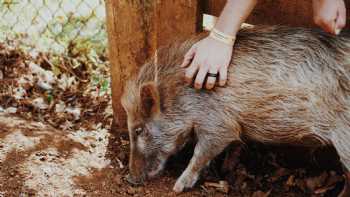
pixel 346 190
pixel 340 139
pixel 206 149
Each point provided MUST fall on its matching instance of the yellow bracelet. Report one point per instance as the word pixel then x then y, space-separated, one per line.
pixel 222 37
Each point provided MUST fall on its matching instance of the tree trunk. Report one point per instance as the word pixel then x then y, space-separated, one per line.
pixel 136 29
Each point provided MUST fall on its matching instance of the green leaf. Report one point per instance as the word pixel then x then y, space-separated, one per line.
pixel 49 98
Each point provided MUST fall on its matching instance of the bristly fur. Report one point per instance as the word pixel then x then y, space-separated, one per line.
pixel 285 86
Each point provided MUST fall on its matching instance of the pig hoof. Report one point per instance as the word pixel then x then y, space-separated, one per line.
pixel 179 187
pixel 183 183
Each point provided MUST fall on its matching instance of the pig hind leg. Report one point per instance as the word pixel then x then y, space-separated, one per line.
pixel 340 139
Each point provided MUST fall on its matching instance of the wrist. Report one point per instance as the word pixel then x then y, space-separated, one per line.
pixel 222 37
pixel 227 29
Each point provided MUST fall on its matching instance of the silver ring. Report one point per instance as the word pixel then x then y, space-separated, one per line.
pixel 212 75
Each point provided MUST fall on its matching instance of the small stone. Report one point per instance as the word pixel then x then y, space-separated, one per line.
pixel 261 194
pixel 124 142
pixel 12 173
pixel 118 180
pixel 11 110
pixel 313 183
pixel 93 145
pixel 290 181
pixel 131 191
pixel 122 156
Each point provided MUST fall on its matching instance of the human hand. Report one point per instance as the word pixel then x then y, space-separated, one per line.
pixel 330 15
pixel 207 56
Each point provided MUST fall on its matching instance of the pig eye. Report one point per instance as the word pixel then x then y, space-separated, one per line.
pixel 138 130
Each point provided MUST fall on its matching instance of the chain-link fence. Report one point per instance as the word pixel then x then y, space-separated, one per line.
pixel 54 25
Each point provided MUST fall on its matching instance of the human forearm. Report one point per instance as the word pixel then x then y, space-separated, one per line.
pixel 233 15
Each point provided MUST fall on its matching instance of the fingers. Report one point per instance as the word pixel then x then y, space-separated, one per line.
pixel 202 73
pixel 223 76
pixel 191 71
pixel 330 15
pixel 189 56
pixel 211 80
pixel 341 19
pixel 324 18
pixel 327 24
pixel 208 55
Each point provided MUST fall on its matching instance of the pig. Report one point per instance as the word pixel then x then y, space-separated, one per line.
pixel 286 86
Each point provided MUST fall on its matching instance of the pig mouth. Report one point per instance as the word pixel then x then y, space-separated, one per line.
pixel 156 166
pixel 156 171
pixel 135 182
pixel 152 170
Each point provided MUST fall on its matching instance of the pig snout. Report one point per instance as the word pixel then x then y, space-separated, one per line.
pixel 137 174
pixel 140 173
pixel 135 180
pixel 142 169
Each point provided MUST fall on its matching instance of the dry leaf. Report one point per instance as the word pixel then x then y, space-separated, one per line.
pixel 261 194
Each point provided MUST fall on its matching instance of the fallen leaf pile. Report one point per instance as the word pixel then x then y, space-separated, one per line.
pixel 66 91
pixel 261 171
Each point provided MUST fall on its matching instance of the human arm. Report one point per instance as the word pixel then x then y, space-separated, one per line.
pixel 330 15
pixel 212 56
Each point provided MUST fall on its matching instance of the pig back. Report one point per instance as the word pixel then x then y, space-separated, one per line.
pixel 285 85
pixel 288 85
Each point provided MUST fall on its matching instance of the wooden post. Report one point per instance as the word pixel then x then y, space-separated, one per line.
pixel 136 28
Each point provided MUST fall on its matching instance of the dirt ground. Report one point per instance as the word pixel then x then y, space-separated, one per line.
pixel 38 160
pixel 56 140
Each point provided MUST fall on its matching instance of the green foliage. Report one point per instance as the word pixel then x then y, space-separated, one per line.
pixel 49 98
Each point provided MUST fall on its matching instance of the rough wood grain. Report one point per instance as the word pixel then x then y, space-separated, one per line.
pixel 136 29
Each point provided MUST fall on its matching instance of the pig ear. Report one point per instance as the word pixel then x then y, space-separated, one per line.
pixel 150 103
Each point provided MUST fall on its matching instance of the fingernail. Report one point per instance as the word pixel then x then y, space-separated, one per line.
pixel 197 86
pixel 209 87
pixel 337 31
pixel 184 63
